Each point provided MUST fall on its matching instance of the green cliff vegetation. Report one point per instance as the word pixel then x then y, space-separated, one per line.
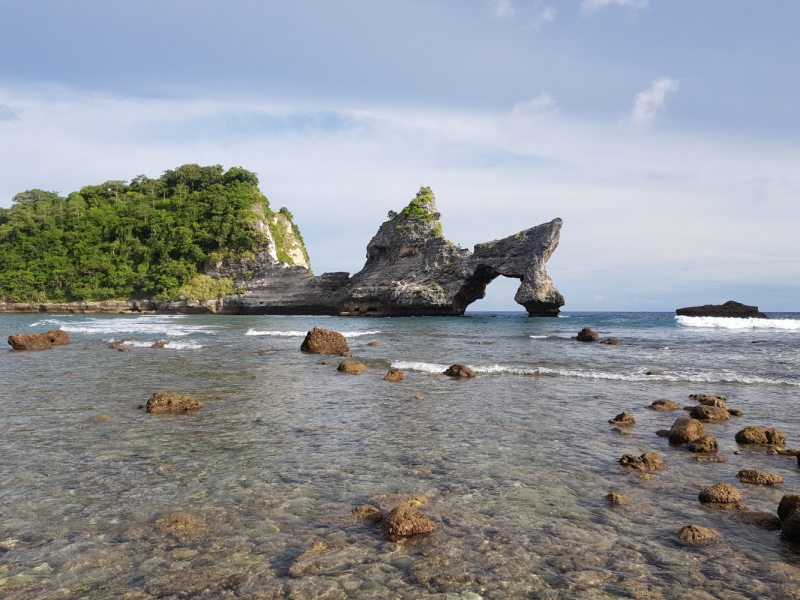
pixel 137 239
pixel 414 210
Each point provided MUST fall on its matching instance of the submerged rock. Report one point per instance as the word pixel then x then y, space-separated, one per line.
pixel 710 458
pixel 368 513
pixel 178 522
pixel 710 413
pixel 623 418
pixel 459 370
pixel 649 461
pixel 666 405
pixel 685 430
pixel 729 309
pixel 757 477
pixel 707 443
pixel 766 521
pixel 617 499
pixel 394 375
pixel 662 433
pixel 373 344
pixel 721 493
pixel 587 335
pixel 162 402
pixel 39 341
pixel 406 521
pixel 324 341
pixel 760 435
pixel 353 367
pixel 696 533
pixel 611 342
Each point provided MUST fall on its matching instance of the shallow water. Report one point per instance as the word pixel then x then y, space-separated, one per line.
pixel 515 464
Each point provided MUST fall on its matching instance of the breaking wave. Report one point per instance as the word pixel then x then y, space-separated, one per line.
pixel 739 324
pixel 169 345
pixel 597 374
pixel 153 325
pixel 347 334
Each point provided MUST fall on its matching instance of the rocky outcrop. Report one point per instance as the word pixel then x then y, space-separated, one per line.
pixel 729 309
pixel 324 341
pixel 760 435
pixel 162 402
pixel 612 342
pixel 788 505
pixel 406 521
pixel 39 341
pixel 587 335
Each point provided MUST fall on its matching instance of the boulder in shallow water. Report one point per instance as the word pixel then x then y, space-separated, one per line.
pixel 695 533
pixel 459 370
pixel 324 341
pixel 735 412
pixel 617 499
pixel 162 402
pixel 721 493
pixel 406 521
pixel 707 443
pixel 39 341
pixel 624 419
pixel 587 335
pixel 729 309
pixel 757 477
pixel 703 412
pixel 116 345
pixel 611 342
pixel 666 405
pixel 353 367
pixel 368 513
pixel 394 375
pixel 685 430
pixel 159 344
pixel 789 504
pixel 373 344
pixel 709 400
pixel 760 435
pixel 649 461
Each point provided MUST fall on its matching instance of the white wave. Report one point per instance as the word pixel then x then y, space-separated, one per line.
pixel 171 345
pixel 741 324
pixel 347 334
pixel 153 325
pixel 538 337
pixel 595 374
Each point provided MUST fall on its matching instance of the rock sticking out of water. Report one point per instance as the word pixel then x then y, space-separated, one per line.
pixel 721 493
pixel 696 533
pixel 116 345
pixel 704 412
pixel 684 431
pixel 611 342
pixel 760 435
pixel 406 521
pixel 353 367
pixel 788 505
pixel 159 344
pixel 623 418
pixel 39 341
pixel 709 400
pixel 654 373
pixel 324 341
pixel 373 344
pixel 368 513
pixel 707 443
pixel 617 499
pixel 459 370
pixel 735 412
pixel 665 405
pixel 394 375
pixel 757 477
pixel 730 309
pixel 587 335
pixel 162 402
pixel 649 461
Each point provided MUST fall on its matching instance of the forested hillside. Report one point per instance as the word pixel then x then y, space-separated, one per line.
pixel 122 240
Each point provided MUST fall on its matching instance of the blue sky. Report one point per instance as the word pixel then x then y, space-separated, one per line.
pixel 664 133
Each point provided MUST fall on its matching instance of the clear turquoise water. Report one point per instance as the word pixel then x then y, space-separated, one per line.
pixel 515 463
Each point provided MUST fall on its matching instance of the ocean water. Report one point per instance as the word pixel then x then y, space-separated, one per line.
pixel 514 464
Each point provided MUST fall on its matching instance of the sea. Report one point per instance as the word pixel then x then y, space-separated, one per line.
pixel 250 497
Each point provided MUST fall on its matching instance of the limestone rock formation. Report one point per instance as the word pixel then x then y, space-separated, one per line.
pixel 612 341
pixel 39 341
pixel 367 512
pixel 162 402
pixel 709 400
pixel 707 443
pixel 729 309
pixel 617 498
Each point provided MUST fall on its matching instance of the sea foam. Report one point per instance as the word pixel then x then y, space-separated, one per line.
pixel 741 324
pixel 153 325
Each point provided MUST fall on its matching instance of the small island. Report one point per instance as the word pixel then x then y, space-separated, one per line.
pixel 729 309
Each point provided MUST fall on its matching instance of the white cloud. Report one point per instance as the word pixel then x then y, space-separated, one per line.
pixel 590 6
pixel 502 9
pixel 543 103
pixel 548 15
pixel 650 101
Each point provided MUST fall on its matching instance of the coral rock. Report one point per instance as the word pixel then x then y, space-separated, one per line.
pixel 406 521
pixel 710 413
pixel 373 344
pixel 707 443
pixel 788 505
pixel 709 400
pixel 757 477
pixel 617 499
pixel 368 513
pixel 611 342
pixel 324 341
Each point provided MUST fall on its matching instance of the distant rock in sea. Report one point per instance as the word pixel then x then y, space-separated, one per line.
pixel 729 309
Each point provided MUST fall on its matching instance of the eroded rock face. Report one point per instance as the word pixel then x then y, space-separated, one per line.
pixel 757 477
pixel 406 521
pixel 324 341
pixel 649 461
pixel 760 435
pixel 696 533
pixel 162 402
pixel 729 309
pixel 39 341
pixel 721 493
pixel 685 430
pixel 587 335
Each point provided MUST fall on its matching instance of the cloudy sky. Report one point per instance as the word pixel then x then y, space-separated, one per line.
pixel 663 132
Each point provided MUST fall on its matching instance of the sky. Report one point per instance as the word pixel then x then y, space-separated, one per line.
pixel 663 132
